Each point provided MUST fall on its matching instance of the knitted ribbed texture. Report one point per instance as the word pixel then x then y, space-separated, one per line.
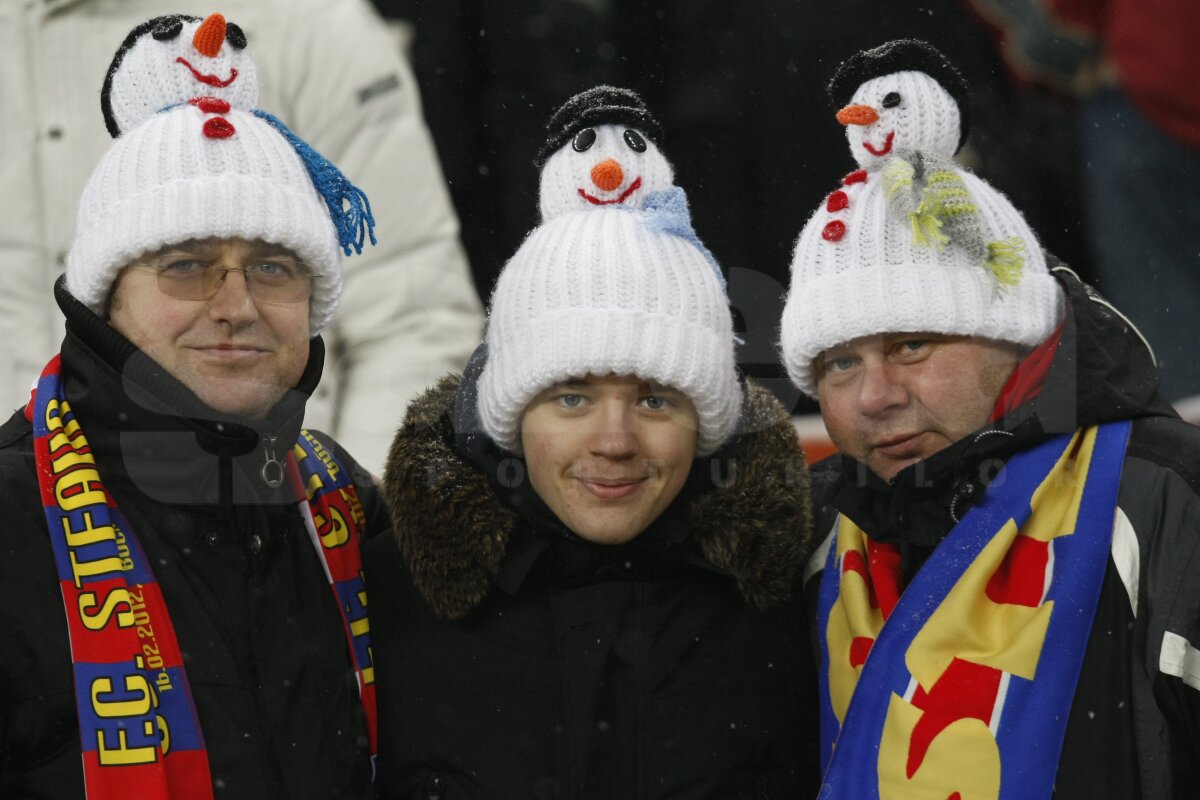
pixel 878 279
pixel 165 181
pixel 598 292
pixel 148 77
pixel 568 173
pixel 926 118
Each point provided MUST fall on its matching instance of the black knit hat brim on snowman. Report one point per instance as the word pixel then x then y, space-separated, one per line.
pixel 903 55
pixel 600 105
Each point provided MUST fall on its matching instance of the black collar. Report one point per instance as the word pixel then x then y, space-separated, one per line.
pixel 153 436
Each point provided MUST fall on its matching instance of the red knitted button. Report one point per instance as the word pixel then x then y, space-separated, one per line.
pixel 218 128
pixel 834 231
pixel 858 176
pixel 211 105
pixel 837 201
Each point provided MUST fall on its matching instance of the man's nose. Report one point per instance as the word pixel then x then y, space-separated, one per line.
pixel 880 389
pixel 232 301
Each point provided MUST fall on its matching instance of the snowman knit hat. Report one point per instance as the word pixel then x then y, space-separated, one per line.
pixel 193 159
pixel 602 150
pixel 912 242
pixel 899 56
pixel 620 288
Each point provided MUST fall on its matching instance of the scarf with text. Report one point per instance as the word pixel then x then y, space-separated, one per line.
pixel 959 685
pixel 138 726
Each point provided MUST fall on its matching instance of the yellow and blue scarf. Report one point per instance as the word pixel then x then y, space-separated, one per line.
pixel 959 687
pixel 138 727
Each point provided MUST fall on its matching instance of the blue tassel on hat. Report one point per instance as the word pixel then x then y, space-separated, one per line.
pixel 348 205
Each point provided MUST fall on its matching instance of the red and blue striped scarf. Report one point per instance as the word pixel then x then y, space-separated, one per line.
pixel 960 685
pixel 138 727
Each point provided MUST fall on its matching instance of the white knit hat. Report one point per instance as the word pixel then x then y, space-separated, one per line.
pixel 611 291
pixel 203 168
pixel 913 243
pixel 165 182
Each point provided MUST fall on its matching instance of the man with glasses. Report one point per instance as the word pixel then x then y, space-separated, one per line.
pixel 185 614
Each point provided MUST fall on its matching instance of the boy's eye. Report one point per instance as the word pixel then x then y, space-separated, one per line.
pixel 570 400
pixel 656 403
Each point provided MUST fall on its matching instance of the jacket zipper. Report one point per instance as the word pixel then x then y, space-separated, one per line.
pixel 272 469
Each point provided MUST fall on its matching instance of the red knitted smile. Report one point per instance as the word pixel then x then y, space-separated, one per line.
pixel 596 201
pixel 211 80
pixel 883 151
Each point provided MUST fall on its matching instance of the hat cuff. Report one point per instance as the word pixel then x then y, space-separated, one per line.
pixel 572 344
pixel 912 298
pixel 221 206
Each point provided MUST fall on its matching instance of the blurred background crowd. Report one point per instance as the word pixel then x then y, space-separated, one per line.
pixel 1082 113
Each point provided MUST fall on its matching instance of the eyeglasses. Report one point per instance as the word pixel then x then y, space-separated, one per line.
pixel 271 280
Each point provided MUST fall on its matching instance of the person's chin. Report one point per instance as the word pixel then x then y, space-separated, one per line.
pixel 250 400
pixel 605 527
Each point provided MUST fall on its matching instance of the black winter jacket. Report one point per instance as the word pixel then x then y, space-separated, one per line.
pixel 516 660
pixel 1134 727
pixel 261 636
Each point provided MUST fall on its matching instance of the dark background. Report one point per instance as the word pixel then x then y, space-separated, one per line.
pixel 740 90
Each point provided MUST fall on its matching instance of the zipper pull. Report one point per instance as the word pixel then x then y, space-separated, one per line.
pixel 272 470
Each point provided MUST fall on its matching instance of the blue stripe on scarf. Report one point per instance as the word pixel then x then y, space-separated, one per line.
pixel 1030 736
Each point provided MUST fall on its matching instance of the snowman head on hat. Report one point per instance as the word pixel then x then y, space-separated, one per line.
pixel 175 59
pixel 902 95
pixel 601 150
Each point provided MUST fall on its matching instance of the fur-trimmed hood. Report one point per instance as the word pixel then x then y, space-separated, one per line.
pixel 453 523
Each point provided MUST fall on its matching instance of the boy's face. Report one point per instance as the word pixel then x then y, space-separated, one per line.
pixel 608 455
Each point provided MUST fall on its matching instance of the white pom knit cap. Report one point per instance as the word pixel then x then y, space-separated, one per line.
pixel 167 181
pixel 857 271
pixel 601 292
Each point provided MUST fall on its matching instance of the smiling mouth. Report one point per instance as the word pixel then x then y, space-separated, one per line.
pixel 596 201
pixel 230 352
pixel 211 80
pixel 612 490
pixel 882 151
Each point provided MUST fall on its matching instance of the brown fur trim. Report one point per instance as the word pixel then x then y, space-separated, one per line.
pixel 453 528
pixel 758 526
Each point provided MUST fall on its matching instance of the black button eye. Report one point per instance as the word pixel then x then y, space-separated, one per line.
pixel 635 141
pixel 891 100
pixel 235 37
pixel 584 139
pixel 167 29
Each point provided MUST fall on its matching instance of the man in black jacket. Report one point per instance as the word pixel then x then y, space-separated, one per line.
pixel 1008 592
pixel 187 615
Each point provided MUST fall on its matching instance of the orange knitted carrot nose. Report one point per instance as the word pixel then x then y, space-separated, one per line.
pixel 857 115
pixel 210 35
pixel 607 175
